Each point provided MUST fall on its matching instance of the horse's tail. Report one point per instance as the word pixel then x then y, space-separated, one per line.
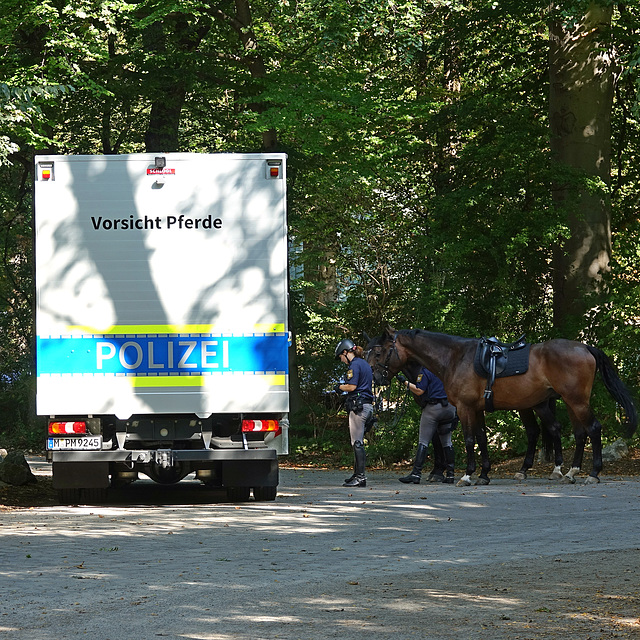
pixel 616 388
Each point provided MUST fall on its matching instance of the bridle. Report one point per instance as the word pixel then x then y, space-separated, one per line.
pixel 385 364
pixel 379 393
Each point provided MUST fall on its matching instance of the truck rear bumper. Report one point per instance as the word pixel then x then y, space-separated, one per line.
pixel 231 467
pixel 143 456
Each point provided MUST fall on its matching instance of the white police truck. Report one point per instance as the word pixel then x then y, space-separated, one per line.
pixel 161 320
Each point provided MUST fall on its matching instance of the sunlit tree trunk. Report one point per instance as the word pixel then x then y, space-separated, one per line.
pixel 582 79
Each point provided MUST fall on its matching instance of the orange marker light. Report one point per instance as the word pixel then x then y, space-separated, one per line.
pixel 46 174
pixel 260 425
pixel 274 171
pixel 57 428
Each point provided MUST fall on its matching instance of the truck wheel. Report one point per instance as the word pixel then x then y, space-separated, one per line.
pixel 238 494
pixel 265 494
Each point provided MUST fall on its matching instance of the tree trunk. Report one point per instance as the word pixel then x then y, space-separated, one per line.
pixel 168 91
pixel 255 63
pixel 582 79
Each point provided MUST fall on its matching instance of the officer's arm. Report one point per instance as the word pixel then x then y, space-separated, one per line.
pixel 415 390
pixel 348 387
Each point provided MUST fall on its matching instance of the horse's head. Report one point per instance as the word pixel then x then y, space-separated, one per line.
pixel 383 357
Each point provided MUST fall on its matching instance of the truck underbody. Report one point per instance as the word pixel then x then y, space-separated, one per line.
pixel 167 449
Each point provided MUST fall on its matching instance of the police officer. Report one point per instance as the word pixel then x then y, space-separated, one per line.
pixel 437 417
pixel 359 403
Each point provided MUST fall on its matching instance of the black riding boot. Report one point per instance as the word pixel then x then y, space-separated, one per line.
pixel 450 459
pixel 418 463
pixel 437 473
pixel 354 474
pixel 360 458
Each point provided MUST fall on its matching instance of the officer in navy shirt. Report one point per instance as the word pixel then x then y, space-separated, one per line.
pixel 438 417
pixel 359 403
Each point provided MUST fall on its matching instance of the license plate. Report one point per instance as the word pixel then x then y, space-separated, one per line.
pixel 81 443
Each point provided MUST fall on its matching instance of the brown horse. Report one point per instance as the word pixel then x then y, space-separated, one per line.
pixel 551 441
pixel 557 369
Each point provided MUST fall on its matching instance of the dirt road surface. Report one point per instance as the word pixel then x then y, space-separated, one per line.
pixel 509 561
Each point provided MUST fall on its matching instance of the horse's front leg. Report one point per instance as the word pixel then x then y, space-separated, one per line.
pixel 474 431
pixel 485 463
pixel 469 444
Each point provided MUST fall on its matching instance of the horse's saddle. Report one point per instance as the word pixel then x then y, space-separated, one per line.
pixel 495 359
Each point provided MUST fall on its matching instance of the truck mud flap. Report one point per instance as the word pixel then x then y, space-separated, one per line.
pixel 86 475
pixel 254 473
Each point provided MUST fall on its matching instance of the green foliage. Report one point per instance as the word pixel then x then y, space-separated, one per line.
pixel 420 169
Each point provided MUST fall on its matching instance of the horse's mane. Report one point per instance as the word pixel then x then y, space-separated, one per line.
pixel 415 333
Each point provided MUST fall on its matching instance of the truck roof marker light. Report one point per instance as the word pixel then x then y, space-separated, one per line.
pixel 273 168
pixel 63 428
pixel 259 425
pixel 46 171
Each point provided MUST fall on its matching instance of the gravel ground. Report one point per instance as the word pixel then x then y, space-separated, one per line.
pixel 510 561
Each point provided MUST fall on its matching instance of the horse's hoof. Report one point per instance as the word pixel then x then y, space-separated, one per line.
pixel 482 481
pixel 520 477
pixel 592 480
pixel 465 481
pixel 556 475
pixel 568 480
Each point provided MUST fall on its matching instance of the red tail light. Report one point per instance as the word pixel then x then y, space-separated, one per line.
pixel 61 428
pixel 260 425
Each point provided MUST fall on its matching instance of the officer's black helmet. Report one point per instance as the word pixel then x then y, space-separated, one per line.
pixel 343 345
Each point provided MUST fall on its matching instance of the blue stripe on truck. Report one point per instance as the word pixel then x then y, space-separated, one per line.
pixel 144 355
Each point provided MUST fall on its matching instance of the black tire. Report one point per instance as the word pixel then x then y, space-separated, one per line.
pixel 265 494
pixel 238 494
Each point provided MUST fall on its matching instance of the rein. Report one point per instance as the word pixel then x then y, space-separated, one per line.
pixel 382 395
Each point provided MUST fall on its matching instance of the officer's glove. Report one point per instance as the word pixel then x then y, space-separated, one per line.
pixel 402 378
pixel 337 389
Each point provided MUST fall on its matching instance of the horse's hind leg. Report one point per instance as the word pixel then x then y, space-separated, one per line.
pixel 581 440
pixel 585 424
pixel 533 431
pixel 594 432
pixel 551 431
